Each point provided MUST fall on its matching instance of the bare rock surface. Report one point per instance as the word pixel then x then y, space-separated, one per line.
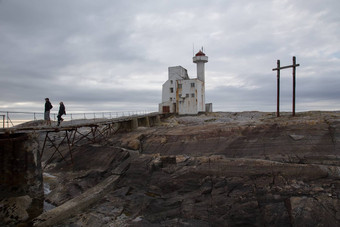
pixel 218 169
pixel 15 209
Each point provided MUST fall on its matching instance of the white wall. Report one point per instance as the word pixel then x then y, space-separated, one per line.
pixel 191 100
pixel 180 95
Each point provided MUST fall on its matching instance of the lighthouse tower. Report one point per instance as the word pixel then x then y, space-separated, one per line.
pixel 200 59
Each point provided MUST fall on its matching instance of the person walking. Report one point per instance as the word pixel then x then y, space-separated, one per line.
pixel 61 112
pixel 48 107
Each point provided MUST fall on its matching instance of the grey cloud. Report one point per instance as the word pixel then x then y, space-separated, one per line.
pixel 102 54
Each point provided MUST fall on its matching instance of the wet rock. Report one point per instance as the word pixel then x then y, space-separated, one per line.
pixel 168 160
pixel 307 211
pixel 206 186
pixel 276 214
pixel 297 137
pixel 15 210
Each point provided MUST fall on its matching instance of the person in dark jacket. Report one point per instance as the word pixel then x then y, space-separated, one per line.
pixel 48 107
pixel 61 112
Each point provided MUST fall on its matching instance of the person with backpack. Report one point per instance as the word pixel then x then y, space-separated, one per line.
pixel 48 107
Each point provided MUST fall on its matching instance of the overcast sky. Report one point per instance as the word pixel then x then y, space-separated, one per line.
pixel 108 55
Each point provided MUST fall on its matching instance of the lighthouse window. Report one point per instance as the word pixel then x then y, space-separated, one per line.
pixel 192 84
pixel 187 95
pixel 171 90
pixel 192 95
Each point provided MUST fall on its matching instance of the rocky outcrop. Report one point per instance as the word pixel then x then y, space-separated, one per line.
pixel 220 169
pixel 204 191
pixel 77 204
pixel 303 139
pixel 21 191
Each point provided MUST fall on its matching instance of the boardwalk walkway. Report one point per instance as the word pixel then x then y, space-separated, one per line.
pixel 74 132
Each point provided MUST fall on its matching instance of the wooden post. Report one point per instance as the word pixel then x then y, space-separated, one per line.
pixel 294 83
pixel 278 90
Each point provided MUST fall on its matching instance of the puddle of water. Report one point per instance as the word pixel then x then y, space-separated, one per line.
pixel 47 190
pixel 48 206
pixel 47 175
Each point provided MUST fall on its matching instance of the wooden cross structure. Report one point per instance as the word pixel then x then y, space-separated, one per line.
pixel 278 68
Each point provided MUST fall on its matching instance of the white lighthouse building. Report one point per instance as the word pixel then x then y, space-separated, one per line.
pixel 183 95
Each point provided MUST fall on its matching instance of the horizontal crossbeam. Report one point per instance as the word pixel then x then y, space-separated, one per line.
pixel 286 67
